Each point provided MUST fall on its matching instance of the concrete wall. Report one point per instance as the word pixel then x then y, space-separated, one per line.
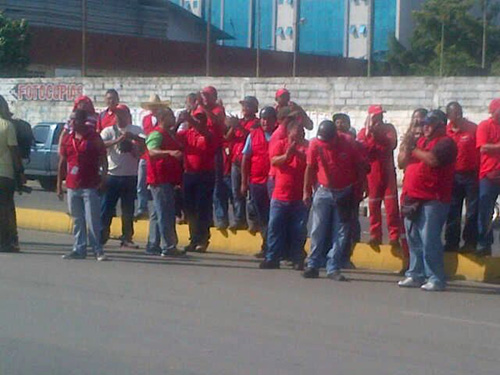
pixel 358 42
pixel 320 96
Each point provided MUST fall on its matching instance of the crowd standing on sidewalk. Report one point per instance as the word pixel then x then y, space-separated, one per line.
pixel 195 167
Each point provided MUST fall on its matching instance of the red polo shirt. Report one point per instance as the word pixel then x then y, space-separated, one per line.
pixel 289 176
pixel 239 139
pixel 335 162
pixel 488 132
pixel 218 125
pixel 83 157
pixel 468 156
pixel 199 151
pixel 278 135
pixel 107 118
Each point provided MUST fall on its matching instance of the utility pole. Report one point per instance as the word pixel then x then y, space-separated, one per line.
pixel 84 38
pixel 296 22
pixel 209 38
pixel 485 24
pixel 257 66
pixel 369 39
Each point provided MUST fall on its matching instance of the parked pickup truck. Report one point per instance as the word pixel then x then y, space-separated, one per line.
pixel 44 157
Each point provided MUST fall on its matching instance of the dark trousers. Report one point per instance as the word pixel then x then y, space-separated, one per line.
pixel 198 192
pixel 8 225
pixel 239 201
pixel 123 188
pixel 260 202
pixel 222 197
pixel 488 193
pixel 465 187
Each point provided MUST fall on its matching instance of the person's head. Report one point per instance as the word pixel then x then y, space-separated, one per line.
pixel 454 112
pixel 416 128
pixel 268 119
pixel 123 116
pixel 166 118
pixel 79 120
pixel 295 131
pixel 4 109
pixel 342 122
pixel 85 103
pixel 494 110
pixel 249 106
pixel 191 101
pixel 434 123
pixel 209 96
pixel 377 114
pixel 112 98
pixel 282 97
pixel 287 115
pixel 327 131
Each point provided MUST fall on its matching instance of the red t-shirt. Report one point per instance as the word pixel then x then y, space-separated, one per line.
pixel 380 144
pixel 107 118
pixel 468 156
pixel 199 151
pixel 83 156
pixel 335 162
pixel 278 135
pixel 488 132
pixel 216 126
pixel 239 139
pixel 289 183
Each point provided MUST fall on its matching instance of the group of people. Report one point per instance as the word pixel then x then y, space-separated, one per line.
pixel 194 166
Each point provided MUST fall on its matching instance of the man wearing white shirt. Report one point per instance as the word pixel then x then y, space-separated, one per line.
pixel 125 145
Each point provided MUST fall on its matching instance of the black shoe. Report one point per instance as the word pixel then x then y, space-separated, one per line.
pixel 483 252
pixel 467 248
pixel 267 265
pixel 336 276
pixel 448 248
pixel 173 253
pixel 236 227
pixel 73 255
pixel 299 266
pixel 201 248
pixel 349 266
pixel 310 273
pixel 374 243
pixel 141 216
pixel 153 251
pixel 191 247
pixel 394 244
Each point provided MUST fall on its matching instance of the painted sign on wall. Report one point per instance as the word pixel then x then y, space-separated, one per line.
pixel 57 92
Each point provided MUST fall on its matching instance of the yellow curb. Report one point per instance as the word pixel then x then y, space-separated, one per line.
pixel 458 266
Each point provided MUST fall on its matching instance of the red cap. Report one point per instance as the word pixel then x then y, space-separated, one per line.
pixel 375 109
pixel 494 105
pixel 281 92
pixel 210 90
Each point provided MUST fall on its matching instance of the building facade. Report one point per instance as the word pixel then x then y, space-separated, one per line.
pixel 324 27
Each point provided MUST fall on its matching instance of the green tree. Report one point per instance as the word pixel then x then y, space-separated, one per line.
pixel 14 46
pixel 448 39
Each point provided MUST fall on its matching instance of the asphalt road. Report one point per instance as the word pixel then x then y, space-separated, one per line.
pixel 217 314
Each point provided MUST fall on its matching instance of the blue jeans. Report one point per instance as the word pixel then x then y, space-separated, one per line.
pixel 488 193
pixel 162 232
pixel 260 203
pixel 198 193
pixel 123 188
pixel 222 197
pixel 355 235
pixel 287 226
pixel 239 201
pixel 142 187
pixel 466 188
pixel 424 239
pixel 84 208
pixel 331 220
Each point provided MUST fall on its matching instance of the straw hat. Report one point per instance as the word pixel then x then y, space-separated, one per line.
pixel 155 102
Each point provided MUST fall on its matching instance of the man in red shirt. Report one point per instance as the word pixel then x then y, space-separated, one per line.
pixel 466 184
pixel 334 163
pixel 200 145
pixel 288 213
pixel 255 170
pixel 149 124
pixel 164 173
pixel 428 185
pixel 380 139
pixel 83 162
pixel 107 117
pixel 236 136
pixel 488 143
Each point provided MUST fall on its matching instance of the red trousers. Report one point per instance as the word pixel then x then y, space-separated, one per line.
pixel 383 187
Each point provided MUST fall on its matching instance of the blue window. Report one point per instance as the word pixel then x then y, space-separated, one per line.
pixel 289 31
pixel 195 4
pixel 362 29
pixel 280 32
pixel 290 2
pixel 352 30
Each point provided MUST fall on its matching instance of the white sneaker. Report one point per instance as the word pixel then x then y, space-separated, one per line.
pixel 101 257
pixel 410 282
pixel 432 287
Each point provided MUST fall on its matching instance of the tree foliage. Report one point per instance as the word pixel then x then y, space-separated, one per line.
pixel 14 46
pixel 461 21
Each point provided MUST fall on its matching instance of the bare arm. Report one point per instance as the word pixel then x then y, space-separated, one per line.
pixel 161 154
pixel 308 183
pixel 61 171
pixel 490 148
pixel 427 157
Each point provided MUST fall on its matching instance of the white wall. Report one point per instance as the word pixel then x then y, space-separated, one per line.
pixel 285 16
pixel 358 15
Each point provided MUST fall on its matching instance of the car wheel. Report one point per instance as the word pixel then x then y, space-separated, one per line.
pixel 48 183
